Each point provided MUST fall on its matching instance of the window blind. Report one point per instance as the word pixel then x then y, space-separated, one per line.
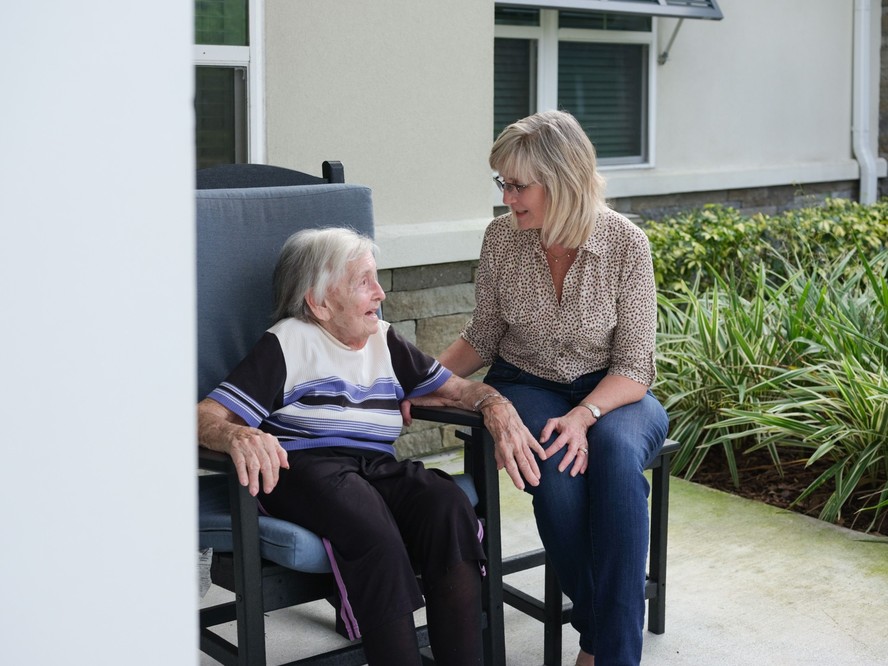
pixel 602 85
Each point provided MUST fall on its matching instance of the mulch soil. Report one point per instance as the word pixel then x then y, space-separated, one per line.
pixel 760 480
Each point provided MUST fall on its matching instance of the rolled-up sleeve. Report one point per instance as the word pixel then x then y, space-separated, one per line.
pixel 635 335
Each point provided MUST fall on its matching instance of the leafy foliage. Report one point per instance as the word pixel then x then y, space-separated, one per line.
pixel 718 240
pixel 780 343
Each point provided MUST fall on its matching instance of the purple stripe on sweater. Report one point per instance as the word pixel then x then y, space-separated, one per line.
pixel 481 541
pixel 348 617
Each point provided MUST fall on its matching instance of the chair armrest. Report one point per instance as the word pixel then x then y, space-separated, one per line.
pixel 214 461
pixel 448 415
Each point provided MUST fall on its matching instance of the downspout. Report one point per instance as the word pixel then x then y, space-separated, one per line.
pixel 862 99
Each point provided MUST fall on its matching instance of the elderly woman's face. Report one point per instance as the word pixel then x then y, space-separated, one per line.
pixel 351 305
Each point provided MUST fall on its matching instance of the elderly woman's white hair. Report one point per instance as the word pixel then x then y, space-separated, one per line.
pixel 314 260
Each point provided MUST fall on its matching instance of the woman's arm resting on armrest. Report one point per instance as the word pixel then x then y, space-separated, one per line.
pixel 461 358
pixel 253 452
pixel 515 445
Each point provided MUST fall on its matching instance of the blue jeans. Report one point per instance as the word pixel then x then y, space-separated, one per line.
pixel 594 526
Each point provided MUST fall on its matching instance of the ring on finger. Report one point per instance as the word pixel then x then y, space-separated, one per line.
pixel 584 451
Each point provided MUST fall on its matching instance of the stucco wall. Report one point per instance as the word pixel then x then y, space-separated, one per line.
pixel 761 98
pixel 399 91
pixel 768 85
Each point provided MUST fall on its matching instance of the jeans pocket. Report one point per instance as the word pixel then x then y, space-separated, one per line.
pixel 503 372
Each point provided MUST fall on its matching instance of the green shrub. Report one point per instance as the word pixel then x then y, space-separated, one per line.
pixel 794 362
pixel 718 240
pixel 691 246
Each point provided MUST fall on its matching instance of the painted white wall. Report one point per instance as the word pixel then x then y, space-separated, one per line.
pixel 769 84
pixel 97 503
pixel 760 98
pixel 401 92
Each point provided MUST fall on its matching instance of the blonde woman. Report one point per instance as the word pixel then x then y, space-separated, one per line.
pixel 566 318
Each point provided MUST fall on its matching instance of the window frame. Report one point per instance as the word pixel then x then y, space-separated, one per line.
pixel 251 60
pixel 548 36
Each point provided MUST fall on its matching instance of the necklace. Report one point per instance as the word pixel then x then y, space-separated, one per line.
pixel 557 257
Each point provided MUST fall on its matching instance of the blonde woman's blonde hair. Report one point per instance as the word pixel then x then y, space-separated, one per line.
pixel 550 148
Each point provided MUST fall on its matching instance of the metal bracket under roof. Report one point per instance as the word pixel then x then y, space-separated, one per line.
pixel 664 56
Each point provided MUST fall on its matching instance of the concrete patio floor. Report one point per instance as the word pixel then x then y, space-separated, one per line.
pixel 747 584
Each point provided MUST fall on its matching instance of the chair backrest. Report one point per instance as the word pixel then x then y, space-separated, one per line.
pixel 239 234
pixel 265 175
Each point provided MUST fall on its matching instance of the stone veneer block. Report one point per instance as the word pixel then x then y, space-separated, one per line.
pixel 384 277
pixel 434 275
pixel 416 444
pixel 433 302
pixel 407 329
pixel 435 334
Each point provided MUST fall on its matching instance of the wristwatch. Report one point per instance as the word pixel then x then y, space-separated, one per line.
pixel 592 408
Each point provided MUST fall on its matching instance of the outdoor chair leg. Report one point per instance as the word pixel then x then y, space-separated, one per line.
pixel 659 538
pixel 248 576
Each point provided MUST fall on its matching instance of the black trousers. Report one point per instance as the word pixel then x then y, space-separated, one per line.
pixel 385 521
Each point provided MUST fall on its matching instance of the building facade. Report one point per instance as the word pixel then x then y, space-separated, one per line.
pixel 771 106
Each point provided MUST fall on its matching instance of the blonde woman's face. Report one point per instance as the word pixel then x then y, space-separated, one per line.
pixel 528 206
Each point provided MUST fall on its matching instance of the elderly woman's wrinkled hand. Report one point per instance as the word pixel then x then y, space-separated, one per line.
pixel 256 453
pixel 571 429
pixel 515 446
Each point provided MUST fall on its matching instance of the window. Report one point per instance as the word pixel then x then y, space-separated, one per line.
pixel 595 65
pixel 228 128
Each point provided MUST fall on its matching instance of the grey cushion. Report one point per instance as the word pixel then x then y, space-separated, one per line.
pixel 239 234
pixel 280 541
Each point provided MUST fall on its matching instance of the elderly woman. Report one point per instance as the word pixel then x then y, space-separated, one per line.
pixel 311 414
pixel 566 317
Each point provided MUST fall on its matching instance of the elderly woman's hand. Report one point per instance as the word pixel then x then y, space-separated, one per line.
pixel 571 429
pixel 255 453
pixel 514 445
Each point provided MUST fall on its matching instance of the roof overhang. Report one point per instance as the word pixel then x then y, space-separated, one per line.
pixel 697 9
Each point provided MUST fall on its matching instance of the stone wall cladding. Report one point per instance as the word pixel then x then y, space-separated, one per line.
pixel 429 305
pixel 766 200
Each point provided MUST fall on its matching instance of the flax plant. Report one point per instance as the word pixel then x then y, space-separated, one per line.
pixel 798 367
pixel 839 413
pixel 720 351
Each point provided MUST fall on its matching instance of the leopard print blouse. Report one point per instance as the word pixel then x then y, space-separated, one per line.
pixel 607 317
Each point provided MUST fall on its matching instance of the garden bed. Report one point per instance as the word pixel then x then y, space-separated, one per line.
pixel 760 481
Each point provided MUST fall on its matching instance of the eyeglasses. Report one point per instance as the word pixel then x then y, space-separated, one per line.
pixel 506 186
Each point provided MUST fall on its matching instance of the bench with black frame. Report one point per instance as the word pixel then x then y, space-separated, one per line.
pixel 241 225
